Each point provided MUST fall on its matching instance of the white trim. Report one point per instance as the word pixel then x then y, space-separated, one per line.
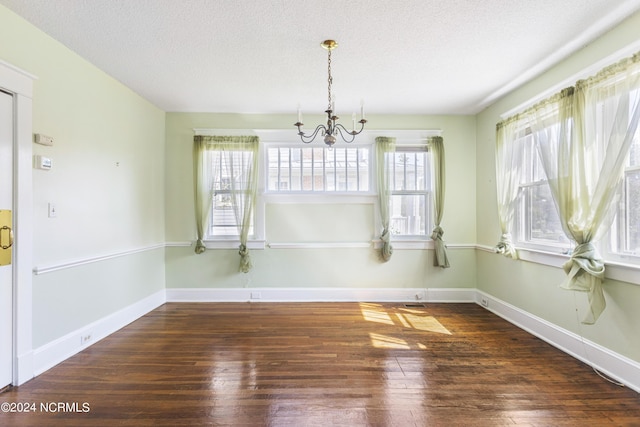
pixel 50 354
pixel 570 81
pixel 84 261
pixel 319 245
pixel 233 244
pixel 461 246
pixel 178 244
pixel 322 294
pixel 616 366
pixel 406 244
pixel 16 80
pixel 613 270
pixel 20 84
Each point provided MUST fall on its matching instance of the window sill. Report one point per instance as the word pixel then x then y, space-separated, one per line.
pixel 406 244
pixel 234 244
pixel 613 270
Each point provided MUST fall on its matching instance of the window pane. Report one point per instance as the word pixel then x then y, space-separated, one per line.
pixel 223 220
pixel 542 221
pixel 408 214
pixel 409 172
pixel 313 169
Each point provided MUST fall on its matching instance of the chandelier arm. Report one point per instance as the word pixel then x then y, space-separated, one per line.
pixel 309 138
pixel 342 130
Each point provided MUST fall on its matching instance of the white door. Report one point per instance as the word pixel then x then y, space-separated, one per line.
pixel 6 204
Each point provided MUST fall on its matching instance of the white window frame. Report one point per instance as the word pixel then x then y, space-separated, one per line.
pixel 618 232
pixel 344 195
pixel 523 214
pixel 256 240
pixel 427 193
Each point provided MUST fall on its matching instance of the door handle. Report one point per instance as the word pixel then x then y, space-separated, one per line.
pixel 2 231
pixel 6 237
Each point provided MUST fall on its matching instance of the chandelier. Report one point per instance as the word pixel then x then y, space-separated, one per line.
pixel 332 129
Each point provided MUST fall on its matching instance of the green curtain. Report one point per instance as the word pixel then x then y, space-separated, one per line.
pixel 509 153
pixel 436 145
pixel 203 189
pixel 584 135
pixel 238 162
pixel 385 149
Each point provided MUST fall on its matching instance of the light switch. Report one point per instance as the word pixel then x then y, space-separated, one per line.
pixel 53 211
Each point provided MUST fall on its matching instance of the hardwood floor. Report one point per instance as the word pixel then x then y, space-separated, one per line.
pixel 321 364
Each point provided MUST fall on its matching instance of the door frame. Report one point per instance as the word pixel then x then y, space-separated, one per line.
pixel 20 84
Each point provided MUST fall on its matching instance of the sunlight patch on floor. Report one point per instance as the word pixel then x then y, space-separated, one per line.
pixel 385 341
pixel 375 313
pixel 424 323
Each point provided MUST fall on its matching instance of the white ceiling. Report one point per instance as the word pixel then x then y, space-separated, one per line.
pixel 264 56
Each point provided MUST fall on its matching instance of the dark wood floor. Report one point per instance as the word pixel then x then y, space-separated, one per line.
pixel 325 364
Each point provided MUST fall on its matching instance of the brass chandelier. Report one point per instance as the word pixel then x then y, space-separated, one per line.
pixel 332 129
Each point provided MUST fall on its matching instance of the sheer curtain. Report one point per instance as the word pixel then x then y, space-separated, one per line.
pixel 234 172
pixel 509 150
pixel 583 136
pixel 436 145
pixel 385 149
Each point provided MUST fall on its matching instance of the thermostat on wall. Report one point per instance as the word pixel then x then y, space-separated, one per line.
pixel 39 138
pixel 41 162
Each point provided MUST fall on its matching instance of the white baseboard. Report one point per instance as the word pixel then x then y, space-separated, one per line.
pixel 320 295
pixel 614 365
pixel 56 351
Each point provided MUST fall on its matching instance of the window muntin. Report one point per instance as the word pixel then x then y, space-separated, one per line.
pixel 229 182
pixel 410 202
pixel 318 169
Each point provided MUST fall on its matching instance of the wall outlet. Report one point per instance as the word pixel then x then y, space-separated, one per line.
pixel 85 339
pixel 484 302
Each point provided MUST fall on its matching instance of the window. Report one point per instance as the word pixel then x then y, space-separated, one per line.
pixel 230 181
pixel 318 169
pixel 410 205
pixel 537 224
pixel 624 239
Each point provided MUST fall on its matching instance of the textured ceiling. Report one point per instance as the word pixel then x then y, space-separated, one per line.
pixel 264 56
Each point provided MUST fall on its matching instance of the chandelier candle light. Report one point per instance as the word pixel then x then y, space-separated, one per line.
pixel 332 129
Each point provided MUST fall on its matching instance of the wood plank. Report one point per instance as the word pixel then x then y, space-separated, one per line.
pixel 305 364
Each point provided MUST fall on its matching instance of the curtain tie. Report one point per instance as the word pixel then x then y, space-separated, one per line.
pixel 505 247
pixel 200 246
pixel 437 233
pixel 387 249
pixel 245 259
pixel 441 259
pixel 585 273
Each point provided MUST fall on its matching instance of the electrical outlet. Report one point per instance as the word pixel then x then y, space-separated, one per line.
pixel 484 302
pixel 85 339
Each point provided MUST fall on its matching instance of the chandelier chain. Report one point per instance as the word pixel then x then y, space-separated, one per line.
pixel 329 80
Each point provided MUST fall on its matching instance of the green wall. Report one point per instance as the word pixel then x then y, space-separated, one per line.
pixel 300 223
pixel 534 287
pixel 122 180
pixel 107 183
